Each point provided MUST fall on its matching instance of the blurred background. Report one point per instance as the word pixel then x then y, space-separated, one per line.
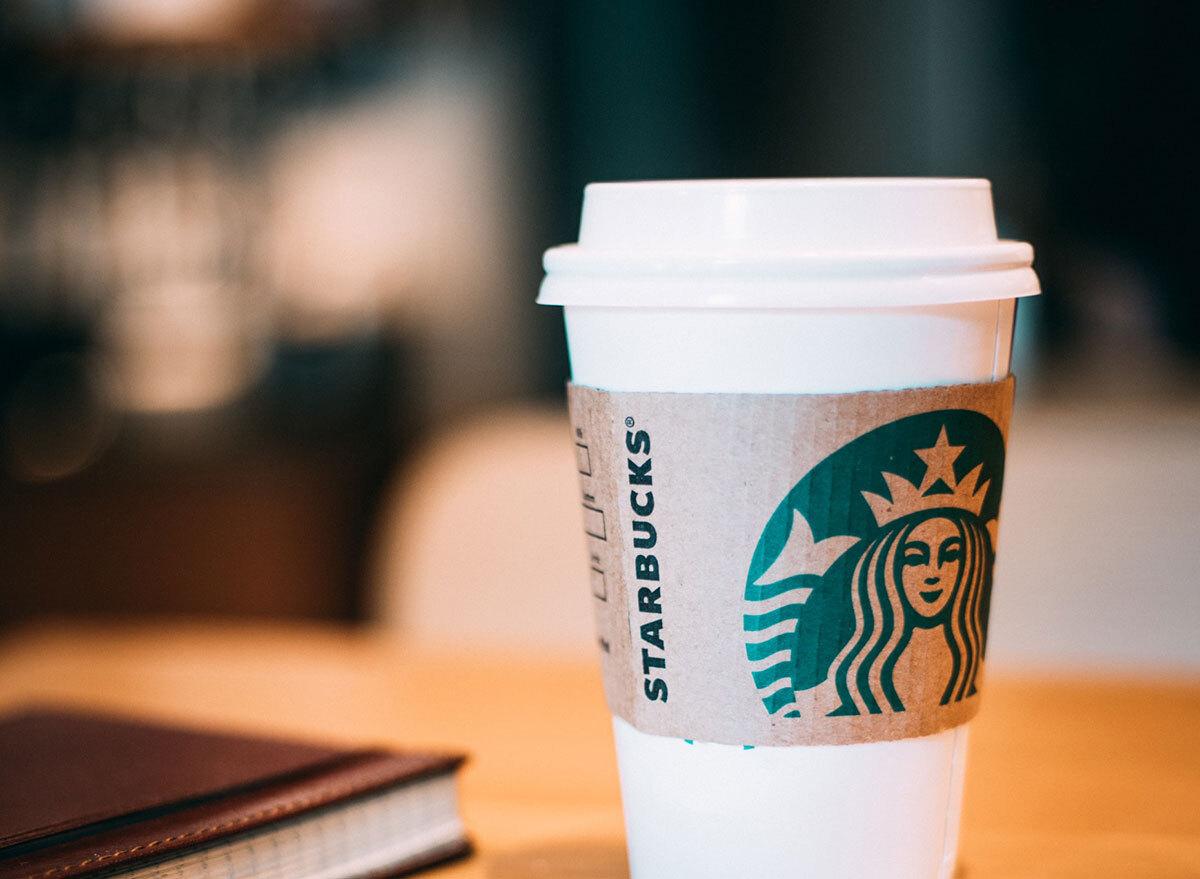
pixel 268 345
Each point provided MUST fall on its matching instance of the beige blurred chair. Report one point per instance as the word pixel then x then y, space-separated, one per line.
pixel 1098 566
pixel 481 541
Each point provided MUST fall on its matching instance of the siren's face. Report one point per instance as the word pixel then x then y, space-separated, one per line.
pixel 931 560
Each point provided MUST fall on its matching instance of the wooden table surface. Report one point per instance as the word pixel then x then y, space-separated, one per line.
pixel 1080 777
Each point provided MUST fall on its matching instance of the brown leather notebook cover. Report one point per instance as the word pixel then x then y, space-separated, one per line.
pixel 82 793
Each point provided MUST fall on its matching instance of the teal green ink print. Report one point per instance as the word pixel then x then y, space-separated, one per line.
pixel 892 533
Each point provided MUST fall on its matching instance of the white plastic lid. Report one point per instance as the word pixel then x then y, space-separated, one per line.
pixel 803 243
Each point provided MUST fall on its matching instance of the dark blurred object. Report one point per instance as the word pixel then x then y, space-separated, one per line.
pixel 1114 98
pixel 260 507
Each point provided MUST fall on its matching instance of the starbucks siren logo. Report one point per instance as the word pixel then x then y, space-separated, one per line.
pixel 892 533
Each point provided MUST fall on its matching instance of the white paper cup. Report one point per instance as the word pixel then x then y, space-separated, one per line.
pixel 789 286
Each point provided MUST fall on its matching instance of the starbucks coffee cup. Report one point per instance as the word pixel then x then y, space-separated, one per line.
pixel 790 401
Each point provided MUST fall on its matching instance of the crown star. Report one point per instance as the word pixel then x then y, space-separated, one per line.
pixel 939 462
pixel 907 498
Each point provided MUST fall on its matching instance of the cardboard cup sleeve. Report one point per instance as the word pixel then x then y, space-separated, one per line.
pixel 792 569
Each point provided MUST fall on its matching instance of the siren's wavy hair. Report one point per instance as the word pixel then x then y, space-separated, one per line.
pixel 883 621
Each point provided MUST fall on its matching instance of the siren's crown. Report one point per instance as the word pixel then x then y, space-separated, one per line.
pixel 938 488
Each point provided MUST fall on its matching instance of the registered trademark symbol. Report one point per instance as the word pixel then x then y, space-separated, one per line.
pixel 629 422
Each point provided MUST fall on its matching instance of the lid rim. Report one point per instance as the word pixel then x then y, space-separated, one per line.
pixel 600 291
pixel 573 259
